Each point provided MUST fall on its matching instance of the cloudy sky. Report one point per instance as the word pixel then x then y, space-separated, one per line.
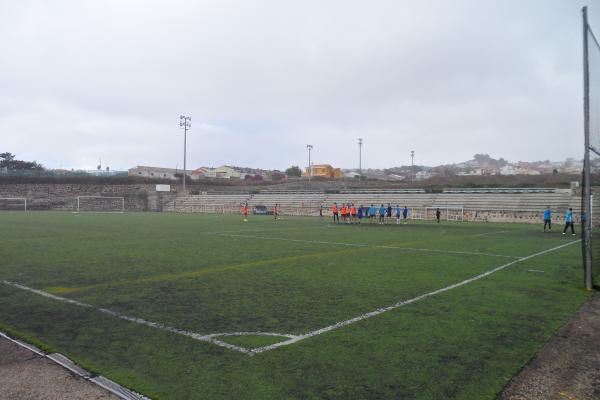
pixel 83 80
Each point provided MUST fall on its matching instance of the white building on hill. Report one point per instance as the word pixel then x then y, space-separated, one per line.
pixel 154 172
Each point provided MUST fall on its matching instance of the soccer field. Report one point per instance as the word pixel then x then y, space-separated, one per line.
pixel 179 306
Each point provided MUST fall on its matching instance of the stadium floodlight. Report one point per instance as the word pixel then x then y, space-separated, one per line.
pixel 360 143
pixel 309 147
pixel 412 166
pixel 185 123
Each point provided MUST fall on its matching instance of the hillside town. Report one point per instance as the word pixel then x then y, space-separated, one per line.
pixel 480 165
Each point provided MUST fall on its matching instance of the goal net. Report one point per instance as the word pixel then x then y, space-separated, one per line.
pixel 13 204
pixel 209 208
pixel 455 214
pixel 446 213
pixel 418 213
pixel 591 165
pixel 99 204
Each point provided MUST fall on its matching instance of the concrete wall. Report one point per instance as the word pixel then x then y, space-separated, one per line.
pixel 143 197
pixel 63 196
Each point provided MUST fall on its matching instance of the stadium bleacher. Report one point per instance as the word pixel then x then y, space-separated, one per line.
pixel 487 204
pixel 209 203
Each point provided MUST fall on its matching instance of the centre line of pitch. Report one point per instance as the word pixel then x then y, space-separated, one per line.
pixel 375 246
pixel 211 338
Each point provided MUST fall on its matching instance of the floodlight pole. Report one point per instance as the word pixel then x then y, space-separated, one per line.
pixel 360 142
pixel 185 123
pixel 587 223
pixel 412 166
pixel 309 147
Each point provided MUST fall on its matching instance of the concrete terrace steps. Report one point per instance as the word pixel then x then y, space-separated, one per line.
pixel 288 200
pixel 477 206
pixel 197 202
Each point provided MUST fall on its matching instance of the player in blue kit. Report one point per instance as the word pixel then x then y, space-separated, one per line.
pixel 569 221
pixel 548 219
pixel 372 214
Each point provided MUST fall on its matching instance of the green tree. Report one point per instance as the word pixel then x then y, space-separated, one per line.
pixel 8 161
pixel 294 170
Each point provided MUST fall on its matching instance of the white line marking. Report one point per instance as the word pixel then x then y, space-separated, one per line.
pixel 258 229
pixel 535 270
pixel 211 338
pixel 371 246
pixel 140 321
pixel 490 233
pixel 258 333
pixel 402 303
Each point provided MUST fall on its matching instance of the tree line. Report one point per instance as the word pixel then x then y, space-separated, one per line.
pixel 8 161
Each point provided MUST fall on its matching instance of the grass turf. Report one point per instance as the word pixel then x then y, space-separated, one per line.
pixel 214 273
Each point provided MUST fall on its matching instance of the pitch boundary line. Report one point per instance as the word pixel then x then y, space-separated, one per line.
pixel 425 250
pixel 212 338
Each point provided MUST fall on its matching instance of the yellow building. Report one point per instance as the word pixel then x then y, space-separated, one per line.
pixel 324 171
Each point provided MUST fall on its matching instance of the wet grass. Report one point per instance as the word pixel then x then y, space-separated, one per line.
pixel 209 274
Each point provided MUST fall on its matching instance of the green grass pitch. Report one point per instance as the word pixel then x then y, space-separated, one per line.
pixel 214 274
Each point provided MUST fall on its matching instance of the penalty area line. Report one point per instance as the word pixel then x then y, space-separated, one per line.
pixel 374 246
pixel 291 339
pixel 382 310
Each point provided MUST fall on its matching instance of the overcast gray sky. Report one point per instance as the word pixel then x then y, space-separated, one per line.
pixel 83 80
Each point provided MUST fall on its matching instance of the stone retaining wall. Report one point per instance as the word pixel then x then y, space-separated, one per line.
pixel 143 197
pixel 63 196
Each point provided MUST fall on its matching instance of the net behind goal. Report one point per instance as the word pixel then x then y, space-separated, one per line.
pixel 418 213
pixel 591 166
pixel 13 204
pixel 99 204
pixel 446 213
pixel 209 208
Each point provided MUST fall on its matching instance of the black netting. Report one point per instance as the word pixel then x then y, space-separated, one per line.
pixel 590 207
pixel 594 92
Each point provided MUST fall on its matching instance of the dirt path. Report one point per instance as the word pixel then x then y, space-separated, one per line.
pixel 568 366
pixel 26 375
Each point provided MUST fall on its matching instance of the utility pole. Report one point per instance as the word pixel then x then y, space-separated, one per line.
pixel 587 192
pixel 412 166
pixel 360 142
pixel 309 147
pixel 185 123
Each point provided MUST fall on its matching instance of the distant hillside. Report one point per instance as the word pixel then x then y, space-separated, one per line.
pixel 481 165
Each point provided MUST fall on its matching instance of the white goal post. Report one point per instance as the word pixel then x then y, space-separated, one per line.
pixel 208 208
pixel 455 214
pixel 447 213
pixel 13 204
pixel 99 204
pixel 417 213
